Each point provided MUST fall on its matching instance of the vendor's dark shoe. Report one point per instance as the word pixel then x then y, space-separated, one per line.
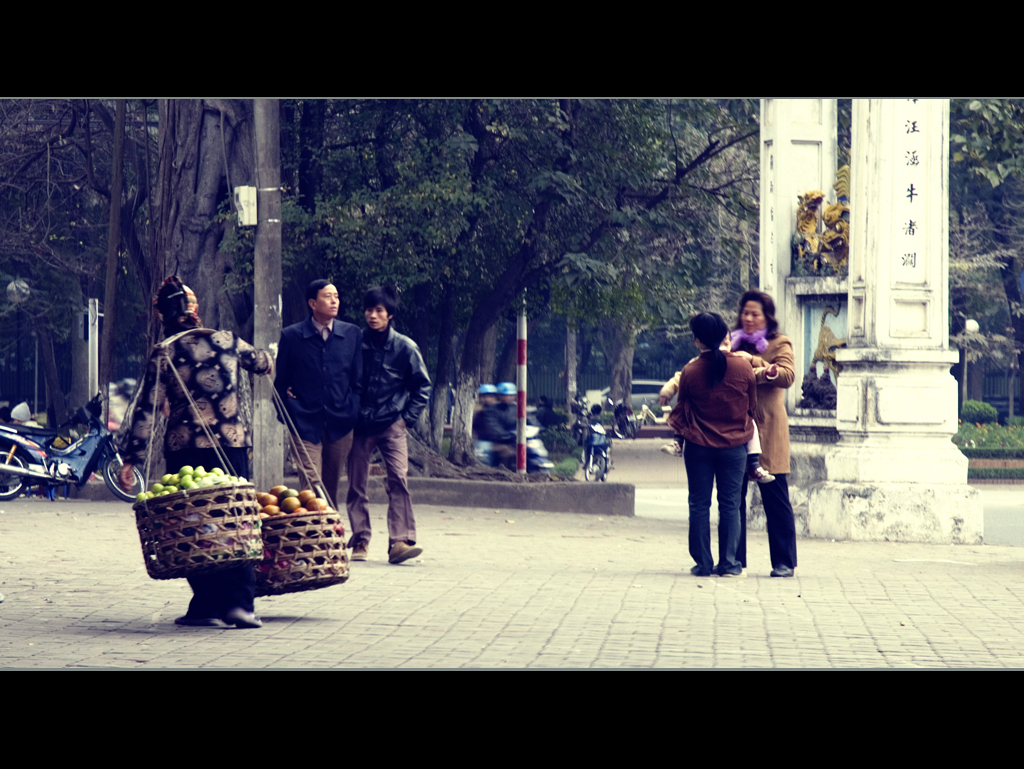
pixel 199 622
pixel 782 571
pixel 698 572
pixel 242 619
pixel 359 552
pixel 402 551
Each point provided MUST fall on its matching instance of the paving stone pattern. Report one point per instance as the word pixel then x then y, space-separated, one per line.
pixel 501 589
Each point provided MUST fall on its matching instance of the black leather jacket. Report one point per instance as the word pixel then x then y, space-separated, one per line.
pixel 395 383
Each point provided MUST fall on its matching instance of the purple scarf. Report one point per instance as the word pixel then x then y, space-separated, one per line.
pixel 757 339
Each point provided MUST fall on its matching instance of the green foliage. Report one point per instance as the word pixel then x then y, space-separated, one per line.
pixel 988 436
pixel 1014 422
pixel 994 473
pixel 567 468
pixel 557 440
pixel 993 453
pixel 978 412
pixel 563 415
pixel 988 134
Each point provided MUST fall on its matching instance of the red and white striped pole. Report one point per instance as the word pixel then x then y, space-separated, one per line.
pixel 521 393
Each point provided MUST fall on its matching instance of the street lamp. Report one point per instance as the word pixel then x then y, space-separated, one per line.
pixel 971 327
pixel 18 291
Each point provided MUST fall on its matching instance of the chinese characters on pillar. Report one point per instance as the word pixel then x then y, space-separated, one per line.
pixel 768 270
pixel 909 198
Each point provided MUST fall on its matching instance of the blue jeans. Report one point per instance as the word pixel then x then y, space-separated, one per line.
pixel 705 467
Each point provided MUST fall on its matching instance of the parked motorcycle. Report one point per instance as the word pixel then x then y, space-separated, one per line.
pixel 596 448
pixel 580 428
pixel 33 456
pixel 625 422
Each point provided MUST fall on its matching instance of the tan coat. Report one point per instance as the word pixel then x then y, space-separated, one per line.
pixel 772 422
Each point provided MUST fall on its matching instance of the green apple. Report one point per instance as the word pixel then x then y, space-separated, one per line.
pixel 157 488
pixel 186 470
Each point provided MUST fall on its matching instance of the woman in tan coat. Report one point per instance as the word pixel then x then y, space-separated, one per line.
pixel 757 339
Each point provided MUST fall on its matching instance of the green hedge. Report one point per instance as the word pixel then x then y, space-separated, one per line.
pixel 977 412
pixel 981 473
pixel 566 468
pixel 557 440
pixel 1012 453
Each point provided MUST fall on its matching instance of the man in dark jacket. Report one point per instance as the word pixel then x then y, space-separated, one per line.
pixel 320 378
pixel 396 389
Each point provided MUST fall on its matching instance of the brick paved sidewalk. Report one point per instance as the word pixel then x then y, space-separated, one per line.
pixel 497 589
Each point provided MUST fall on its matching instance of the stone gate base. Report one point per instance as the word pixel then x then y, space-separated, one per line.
pixel 895 512
pixel 946 514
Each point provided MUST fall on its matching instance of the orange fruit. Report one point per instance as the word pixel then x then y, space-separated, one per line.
pixel 272 510
pixel 277 491
pixel 290 504
pixel 305 496
pixel 300 511
pixel 287 494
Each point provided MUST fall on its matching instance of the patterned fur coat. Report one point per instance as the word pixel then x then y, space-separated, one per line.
pixel 207 362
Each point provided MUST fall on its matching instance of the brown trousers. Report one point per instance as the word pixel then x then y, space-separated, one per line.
pixel 329 461
pixel 394 447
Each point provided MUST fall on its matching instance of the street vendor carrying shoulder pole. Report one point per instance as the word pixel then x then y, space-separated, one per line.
pixel 208 362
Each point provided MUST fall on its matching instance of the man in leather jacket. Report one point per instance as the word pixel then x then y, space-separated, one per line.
pixel 396 389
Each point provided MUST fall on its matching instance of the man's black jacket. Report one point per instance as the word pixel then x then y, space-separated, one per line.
pixel 326 378
pixel 395 382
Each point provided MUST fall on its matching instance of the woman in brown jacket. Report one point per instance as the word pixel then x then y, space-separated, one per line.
pixel 717 398
pixel 758 340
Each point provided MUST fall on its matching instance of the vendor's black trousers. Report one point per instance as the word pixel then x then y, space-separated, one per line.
pixel 779 520
pixel 218 592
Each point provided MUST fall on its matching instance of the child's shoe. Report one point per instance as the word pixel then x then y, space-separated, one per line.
pixel 760 475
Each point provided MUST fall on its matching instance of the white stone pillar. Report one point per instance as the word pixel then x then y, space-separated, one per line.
pixel 895 475
pixel 798 154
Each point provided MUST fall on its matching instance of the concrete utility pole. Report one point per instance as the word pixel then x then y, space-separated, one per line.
pixel 268 447
pixel 521 392
pixel 106 372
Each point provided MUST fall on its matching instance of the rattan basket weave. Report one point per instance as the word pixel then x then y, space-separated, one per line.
pixel 302 552
pixel 200 530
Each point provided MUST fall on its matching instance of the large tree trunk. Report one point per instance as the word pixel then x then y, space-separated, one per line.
pixel 623 345
pixel 54 395
pixel 442 374
pixel 462 451
pixel 206 148
pixel 311 139
pixel 570 367
pixel 487 363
